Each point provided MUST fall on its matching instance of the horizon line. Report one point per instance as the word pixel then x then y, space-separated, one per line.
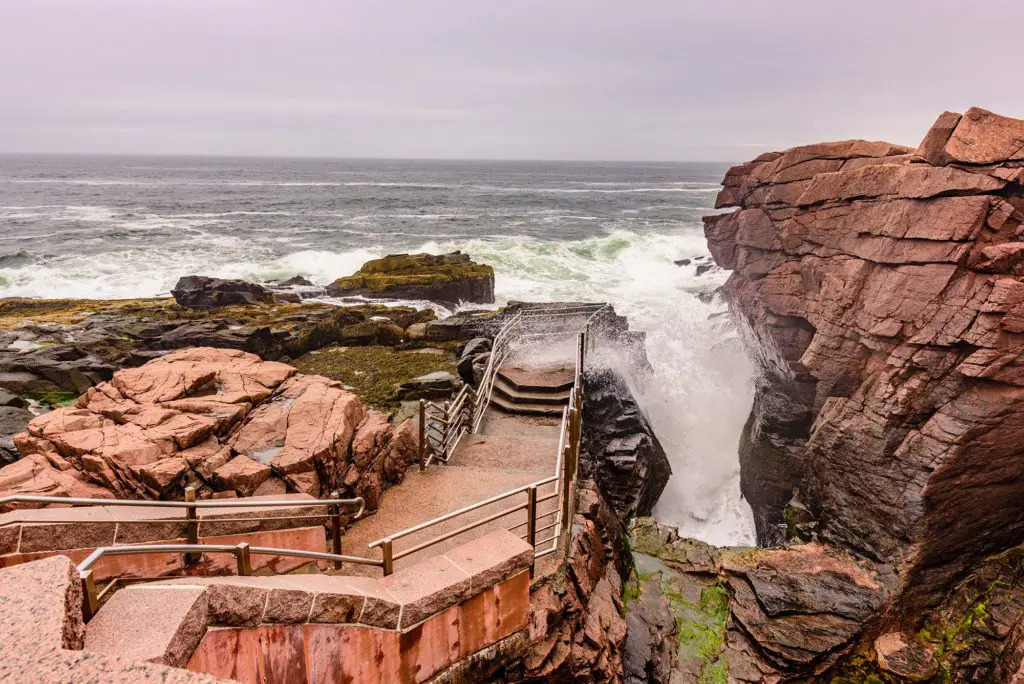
pixel 365 158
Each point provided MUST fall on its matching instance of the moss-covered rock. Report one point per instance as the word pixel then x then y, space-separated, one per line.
pixel 447 278
pixel 375 372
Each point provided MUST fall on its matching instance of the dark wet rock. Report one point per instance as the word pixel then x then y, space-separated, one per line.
pixel 760 614
pixel 682 262
pixel 446 278
pixel 296 281
pixel 473 360
pixel 464 325
pixel 13 420
pixel 85 342
pixel 619 448
pixel 10 399
pixel 439 385
pixel 704 268
pixel 203 291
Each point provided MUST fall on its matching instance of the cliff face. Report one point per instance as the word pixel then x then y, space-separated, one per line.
pixel 883 290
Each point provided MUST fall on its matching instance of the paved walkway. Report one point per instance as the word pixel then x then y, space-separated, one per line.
pixel 509 451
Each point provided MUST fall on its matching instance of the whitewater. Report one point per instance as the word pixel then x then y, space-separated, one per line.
pixel 98 227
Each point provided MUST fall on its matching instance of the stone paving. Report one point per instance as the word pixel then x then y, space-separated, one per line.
pixel 509 451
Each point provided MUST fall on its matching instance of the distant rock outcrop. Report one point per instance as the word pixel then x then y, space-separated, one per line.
pixel 218 419
pixel 203 291
pixel 884 290
pixel 446 278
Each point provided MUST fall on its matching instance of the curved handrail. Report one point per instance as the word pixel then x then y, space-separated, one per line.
pixel 241 551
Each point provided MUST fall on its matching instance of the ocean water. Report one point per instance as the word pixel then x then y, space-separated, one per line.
pixel 107 227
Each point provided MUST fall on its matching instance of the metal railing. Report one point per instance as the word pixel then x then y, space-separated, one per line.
pixel 193 550
pixel 440 430
pixel 567 460
pixel 242 552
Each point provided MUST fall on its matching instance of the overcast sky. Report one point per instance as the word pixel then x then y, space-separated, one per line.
pixel 537 79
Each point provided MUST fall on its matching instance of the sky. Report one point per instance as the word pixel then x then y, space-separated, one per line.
pixel 714 80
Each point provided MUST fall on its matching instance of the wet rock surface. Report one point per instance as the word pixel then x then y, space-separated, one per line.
pixel 882 287
pixel 446 278
pixel 703 613
pixel 619 448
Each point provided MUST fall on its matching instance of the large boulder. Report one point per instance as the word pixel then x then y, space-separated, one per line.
pixel 203 291
pixel 218 419
pixel 446 278
pixel 883 290
pixel 619 449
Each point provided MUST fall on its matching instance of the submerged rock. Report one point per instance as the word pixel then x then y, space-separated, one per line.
pixel 446 278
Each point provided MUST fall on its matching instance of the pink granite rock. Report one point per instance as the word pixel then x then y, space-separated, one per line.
pixel 219 419
pixel 886 302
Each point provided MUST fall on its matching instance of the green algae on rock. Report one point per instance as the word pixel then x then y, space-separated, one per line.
pixel 447 278
pixel 374 372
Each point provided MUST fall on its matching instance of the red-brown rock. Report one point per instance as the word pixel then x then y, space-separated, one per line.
pixel 219 419
pixel 887 302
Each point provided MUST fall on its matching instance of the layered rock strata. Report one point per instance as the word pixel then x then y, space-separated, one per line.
pixel 883 290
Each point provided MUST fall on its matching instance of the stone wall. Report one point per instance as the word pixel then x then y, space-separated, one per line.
pixel 461 612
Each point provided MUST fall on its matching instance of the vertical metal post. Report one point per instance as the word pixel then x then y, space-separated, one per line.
pixel 531 523
pixel 423 435
pixel 389 560
pixel 566 488
pixel 244 559
pixel 336 529
pixel 192 526
pixel 90 600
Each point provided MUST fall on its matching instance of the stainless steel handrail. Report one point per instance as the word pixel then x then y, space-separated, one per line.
pixel 566 464
pixel 222 503
pixel 241 551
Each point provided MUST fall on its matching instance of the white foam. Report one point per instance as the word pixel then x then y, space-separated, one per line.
pixel 704 384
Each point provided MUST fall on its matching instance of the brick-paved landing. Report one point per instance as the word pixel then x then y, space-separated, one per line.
pixel 509 451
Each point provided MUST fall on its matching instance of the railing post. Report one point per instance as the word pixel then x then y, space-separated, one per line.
pixel 336 529
pixel 566 488
pixel 531 524
pixel 244 559
pixel 389 560
pixel 423 435
pixel 90 600
pixel 192 526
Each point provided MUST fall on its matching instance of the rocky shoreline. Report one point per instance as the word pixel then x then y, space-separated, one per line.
pixel 880 289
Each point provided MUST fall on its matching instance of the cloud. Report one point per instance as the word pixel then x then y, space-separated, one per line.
pixel 591 79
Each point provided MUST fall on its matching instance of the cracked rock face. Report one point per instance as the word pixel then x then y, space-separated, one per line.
pixel 884 290
pixel 219 419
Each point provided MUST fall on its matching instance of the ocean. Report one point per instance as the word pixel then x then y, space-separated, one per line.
pixel 116 227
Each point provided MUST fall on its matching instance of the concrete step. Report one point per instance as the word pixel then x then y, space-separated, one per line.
pixel 525 408
pixel 516 396
pixel 554 378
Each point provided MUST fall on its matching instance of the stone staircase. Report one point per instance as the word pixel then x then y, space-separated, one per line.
pixel 538 391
